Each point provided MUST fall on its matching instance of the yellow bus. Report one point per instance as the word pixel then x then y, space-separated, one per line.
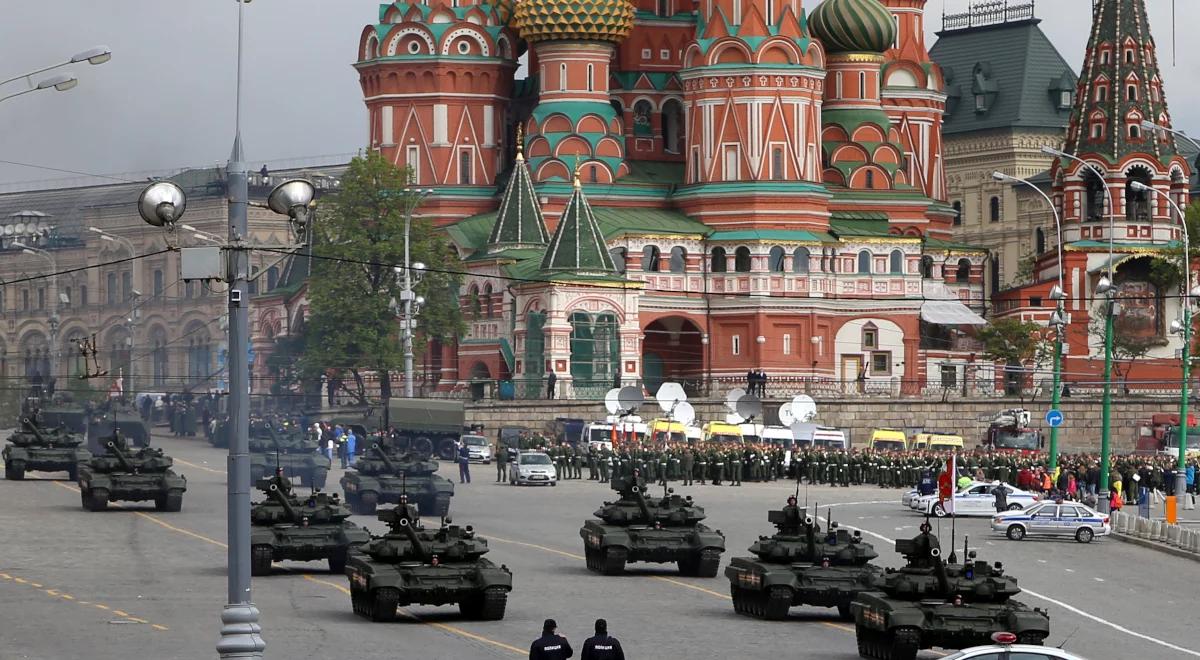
pixel 937 441
pixel 663 430
pixel 722 432
pixel 887 440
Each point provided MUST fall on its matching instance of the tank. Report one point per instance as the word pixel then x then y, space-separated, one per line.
pixel 658 530
pixel 293 451
pixel 384 473
pixel 930 602
pixel 35 447
pixel 800 565
pixel 411 565
pixel 112 416
pixel 130 475
pixel 285 526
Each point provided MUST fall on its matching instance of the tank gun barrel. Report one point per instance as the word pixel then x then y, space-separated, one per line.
pixel 28 424
pixel 406 528
pixel 387 462
pixel 276 493
pixel 939 569
pixel 115 448
pixel 636 492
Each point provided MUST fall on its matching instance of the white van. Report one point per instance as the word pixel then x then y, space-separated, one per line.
pixel 599 435
pixel 780 436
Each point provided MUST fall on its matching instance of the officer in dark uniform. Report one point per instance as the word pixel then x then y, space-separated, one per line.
pixel 602 647
pixel 550 646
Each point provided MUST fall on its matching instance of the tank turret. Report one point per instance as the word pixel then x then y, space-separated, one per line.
pixel 116 448
pixel 798 538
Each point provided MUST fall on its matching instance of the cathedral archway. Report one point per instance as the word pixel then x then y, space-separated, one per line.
pixel 673 350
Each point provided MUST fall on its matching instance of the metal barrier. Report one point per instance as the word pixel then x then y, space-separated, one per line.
pixel 1159 531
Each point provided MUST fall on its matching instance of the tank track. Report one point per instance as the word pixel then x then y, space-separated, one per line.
pixel 772 604
pixel 900 644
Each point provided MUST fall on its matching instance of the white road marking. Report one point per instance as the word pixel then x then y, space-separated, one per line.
pixel 1098 579
pixel 1076 610
pixel 1041 561
pixel 1070 570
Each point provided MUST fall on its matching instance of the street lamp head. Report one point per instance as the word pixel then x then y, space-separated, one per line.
pixel 417 265
pixel 1051 151
pixel 59 83
pixel 1000 176
pixel 1196 291
pixel 162 203
pixel 28 251
pixel 420 300
pixel 1139 186
pixel 97 55
pixel 1176 327
pixel 1056 293
pixel 1058 319
pixel 1151 126
pixel 1104 287
pixel 291 196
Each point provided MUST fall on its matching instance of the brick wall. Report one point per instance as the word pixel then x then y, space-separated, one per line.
pixel 970 418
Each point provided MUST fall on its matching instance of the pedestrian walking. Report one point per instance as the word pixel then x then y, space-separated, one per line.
pixel 1001 495
pixel 550 382
pixel 602 646
pixel 464 463
pixel 351 446
pixel 501 463
pixel 551 645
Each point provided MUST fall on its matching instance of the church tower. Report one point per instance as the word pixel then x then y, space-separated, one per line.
pixel 753 85
pixel 437 81
pixel 574 126
pixel 1119 88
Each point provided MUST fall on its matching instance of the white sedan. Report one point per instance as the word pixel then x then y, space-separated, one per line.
pixel 976 500
pixel 533 468
pixel 1070 519
pixel 1005 648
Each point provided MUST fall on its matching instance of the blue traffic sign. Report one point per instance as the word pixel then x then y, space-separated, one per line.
pixel 1054 417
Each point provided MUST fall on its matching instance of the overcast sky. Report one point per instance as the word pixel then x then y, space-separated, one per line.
pixel 166 98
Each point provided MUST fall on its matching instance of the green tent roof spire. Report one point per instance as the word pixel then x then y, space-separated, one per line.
pixel 578 245
pixel 519 222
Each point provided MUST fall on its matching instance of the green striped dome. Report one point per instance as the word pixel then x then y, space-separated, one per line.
pixel 853 26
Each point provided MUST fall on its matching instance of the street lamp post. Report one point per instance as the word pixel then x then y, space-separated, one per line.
pixel 1058 320
pixel 1105 287
pixel 61 83
pixel 54 301
pixel 408 298
pixel 1184 328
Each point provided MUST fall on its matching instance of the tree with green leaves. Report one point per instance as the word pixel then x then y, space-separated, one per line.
pixel 352 326
pixel 1016 343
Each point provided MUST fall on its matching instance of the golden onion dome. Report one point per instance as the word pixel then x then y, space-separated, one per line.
pixel 561 20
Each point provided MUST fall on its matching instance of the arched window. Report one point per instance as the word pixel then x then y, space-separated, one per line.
pixel 1131 92
pixel 864 262
pixel 158 283
pixel 1039 240
pixel 800 258
pixel 562 77
pixel 1135 131
pixel 870 179
pixel 678 261
pixel 719 262
pixel 591 75
pixel 651 258
pixel 775 260
pixel 618 255
pixel 488 310
pixel 473 302
pixel 957 213
pixel 741 260
pixel 927 267
pixel 963 274
pixel 1101 94
pixel 896 262
pixel 272 278
pixel 994 209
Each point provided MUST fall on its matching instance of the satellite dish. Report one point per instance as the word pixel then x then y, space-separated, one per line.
pixel 670 394
pixel 733 418
pixel 630 398
pixel 732 397
pixel 684 413
pixel 20 229
pixel 8 230
pixel 785 415
pixel 611 402
pixel 803 407
pixel 749 407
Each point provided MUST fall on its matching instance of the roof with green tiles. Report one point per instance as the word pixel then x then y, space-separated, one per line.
pixel 519 221
pixel 1017 70
pixel 437 29
pixel 776 235
pixel 788 25
pixel 578 245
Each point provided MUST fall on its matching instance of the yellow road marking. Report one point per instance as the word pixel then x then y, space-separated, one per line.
pixel 51 592
pixel 157 627
pixel 6 576
pixel 534 545
pixel 98 605
pixel 69 597
pixel 181 530
pixel 681 583
pixel 36 585
pixel 441 626
pixel 120 613
pixel 20 581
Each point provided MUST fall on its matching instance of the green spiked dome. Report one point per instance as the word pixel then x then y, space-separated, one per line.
pixel 578 246
pixel 853 26
pixel 519 223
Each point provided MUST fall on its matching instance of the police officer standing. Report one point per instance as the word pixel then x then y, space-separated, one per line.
pixel 550 646
pixel 501 463
pixel 602 647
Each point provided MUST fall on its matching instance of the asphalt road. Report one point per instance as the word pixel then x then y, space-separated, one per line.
pixel 134 582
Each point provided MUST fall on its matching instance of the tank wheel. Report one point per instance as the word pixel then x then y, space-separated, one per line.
pixel 337 561
pixel 1084 535
pixel 844 612
pixel 319 476
pixel 97 500
pixel 709 562
pixel 366 502
pixel 492 604
pixel 614 560
pixel 441 505
pixel 1015 532
pixel 73 472
pixel 383 604
pixel 777 603
pixel 14 470
pixel 1032 638
pixel 260 560
pixel 905 644
pixel 866 642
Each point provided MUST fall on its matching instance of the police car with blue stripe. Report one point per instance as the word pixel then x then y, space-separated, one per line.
pixel 1065 519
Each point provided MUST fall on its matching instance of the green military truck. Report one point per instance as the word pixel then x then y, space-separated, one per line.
pixel 424 425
